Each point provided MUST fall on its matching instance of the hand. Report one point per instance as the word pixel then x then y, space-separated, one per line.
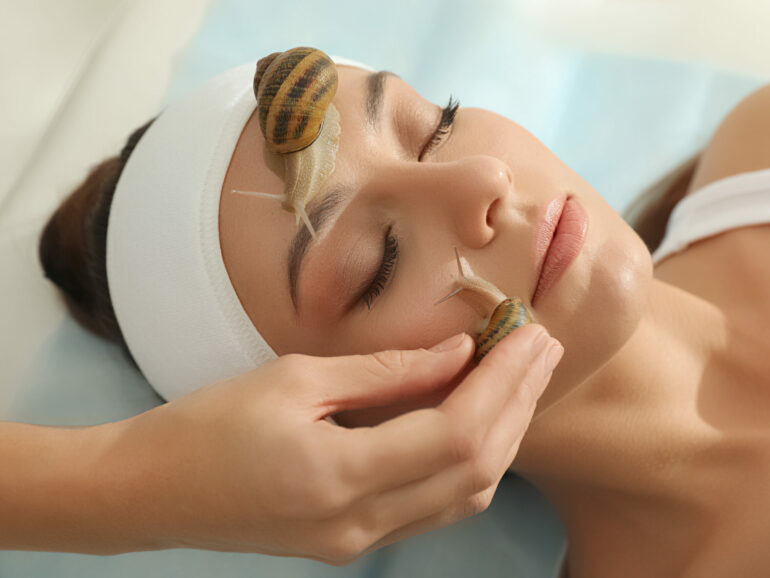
pixel 249 464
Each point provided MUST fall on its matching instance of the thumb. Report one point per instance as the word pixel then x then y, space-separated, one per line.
pixel 388 377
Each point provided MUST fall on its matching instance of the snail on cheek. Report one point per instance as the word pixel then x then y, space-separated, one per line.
pixel 506 314
pixel 301 126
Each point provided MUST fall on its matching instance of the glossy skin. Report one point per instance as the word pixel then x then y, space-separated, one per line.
pixel 662 393
pixel 483 189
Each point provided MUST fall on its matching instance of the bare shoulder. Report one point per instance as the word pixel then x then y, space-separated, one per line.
pixel 730 270
pixel 741 143
pixel 732 267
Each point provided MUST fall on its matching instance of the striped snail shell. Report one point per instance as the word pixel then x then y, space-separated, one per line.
pixel 293 90
pixel 506 317
pixel 508 314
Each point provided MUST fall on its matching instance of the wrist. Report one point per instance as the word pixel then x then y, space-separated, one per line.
pixel 60 491
pixel 123 503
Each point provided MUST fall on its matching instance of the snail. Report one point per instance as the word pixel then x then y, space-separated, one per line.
pixel 508 314
pixel 294 90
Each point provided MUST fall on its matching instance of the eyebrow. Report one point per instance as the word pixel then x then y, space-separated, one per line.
pixel 375 84
pixel 321 211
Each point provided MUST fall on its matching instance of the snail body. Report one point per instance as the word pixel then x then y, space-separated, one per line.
pixel 294 90
pixel 306 170
pixel 507 315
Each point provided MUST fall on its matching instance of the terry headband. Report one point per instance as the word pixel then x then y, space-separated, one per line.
pixel 176 307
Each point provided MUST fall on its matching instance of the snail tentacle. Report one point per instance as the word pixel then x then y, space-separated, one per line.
pixel 452 294
pixel 301 213
pixel 489 293
pixel 506 313
pixel 277 196
pixel 297 207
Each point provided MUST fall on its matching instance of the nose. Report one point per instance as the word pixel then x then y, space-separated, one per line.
pixel 471 191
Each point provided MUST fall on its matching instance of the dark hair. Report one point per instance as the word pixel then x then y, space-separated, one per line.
pixel 648 213
pixel 72 247
pixel 73 243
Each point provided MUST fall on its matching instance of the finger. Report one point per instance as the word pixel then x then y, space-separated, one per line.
pixel 417 444
pixel 435 521
pixel 449 489
pixel 389 377
pixel 520 409
pixel 432 505
pixel 499 373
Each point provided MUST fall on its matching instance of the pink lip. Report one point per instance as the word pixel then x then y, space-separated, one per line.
pixel 558 241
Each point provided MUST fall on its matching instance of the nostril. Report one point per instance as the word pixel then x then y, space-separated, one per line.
pixel 491 211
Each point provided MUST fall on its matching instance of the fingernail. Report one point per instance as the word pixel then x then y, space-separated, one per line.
pixel 450 343
pixel 552 357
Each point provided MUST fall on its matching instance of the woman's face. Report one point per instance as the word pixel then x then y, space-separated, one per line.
pixel 386 249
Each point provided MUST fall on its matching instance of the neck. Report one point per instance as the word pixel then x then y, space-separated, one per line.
pixel 620 456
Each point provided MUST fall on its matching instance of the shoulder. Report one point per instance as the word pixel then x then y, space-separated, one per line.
pixel 740 144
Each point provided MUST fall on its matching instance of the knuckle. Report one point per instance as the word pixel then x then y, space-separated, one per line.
pixel 327 495
pixel 476 504
pixel 525 392
pixel 466 445
pixel 479 502
pixel 330 497
pixel 483 475
pixel 347 546
pixel 388 362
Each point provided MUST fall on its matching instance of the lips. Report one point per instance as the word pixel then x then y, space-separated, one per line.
pixel 544 236
pixel 558 241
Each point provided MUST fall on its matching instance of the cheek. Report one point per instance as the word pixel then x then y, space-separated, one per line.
pixel 414 322
pixel 601 306
pixel 628 282
pixel 409 323
pixel 614 299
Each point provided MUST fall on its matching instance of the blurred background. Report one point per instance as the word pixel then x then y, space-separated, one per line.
pixel 621 90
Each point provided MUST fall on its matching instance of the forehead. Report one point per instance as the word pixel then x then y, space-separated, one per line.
pixel 266 170
pixel 255 233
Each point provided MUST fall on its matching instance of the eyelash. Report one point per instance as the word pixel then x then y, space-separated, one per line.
pixel 390 252
pixel 389 256
pixel 447 119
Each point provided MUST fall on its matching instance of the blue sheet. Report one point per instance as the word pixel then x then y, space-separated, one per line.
pixel 618 121
pixel 77 379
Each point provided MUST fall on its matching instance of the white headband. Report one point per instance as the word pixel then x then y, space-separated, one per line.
pixel 173 299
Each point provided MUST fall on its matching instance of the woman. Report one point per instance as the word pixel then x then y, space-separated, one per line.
pixel 651 438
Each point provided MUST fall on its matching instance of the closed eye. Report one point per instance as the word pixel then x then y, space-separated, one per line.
pixel 389 257
pixel 444 125
pixel 391 250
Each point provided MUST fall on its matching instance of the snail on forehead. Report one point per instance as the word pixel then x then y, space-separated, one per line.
pixel 294 91
pixel 507 313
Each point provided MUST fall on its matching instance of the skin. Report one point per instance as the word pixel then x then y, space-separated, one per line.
pixel 657 411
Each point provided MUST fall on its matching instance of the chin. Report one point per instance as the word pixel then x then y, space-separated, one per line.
pixel 596 306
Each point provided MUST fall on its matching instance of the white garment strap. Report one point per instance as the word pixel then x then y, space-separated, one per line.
pixel 735 201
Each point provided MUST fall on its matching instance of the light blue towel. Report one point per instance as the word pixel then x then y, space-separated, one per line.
pixel 618 121
pixel 77 379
